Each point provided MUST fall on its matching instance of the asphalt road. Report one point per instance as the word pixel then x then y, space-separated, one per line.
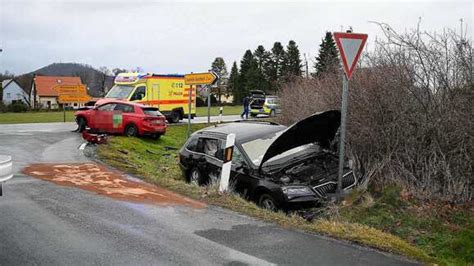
pixel 47 224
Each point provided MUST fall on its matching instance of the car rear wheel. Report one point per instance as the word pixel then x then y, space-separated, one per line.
pixel 266 201
pixel 156 136
pixel 131 131
pixel 195 177
pixel 174 117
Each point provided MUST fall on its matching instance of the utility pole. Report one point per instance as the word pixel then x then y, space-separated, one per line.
pixel 306 65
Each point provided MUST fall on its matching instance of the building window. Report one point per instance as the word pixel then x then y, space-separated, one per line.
pixel 8 95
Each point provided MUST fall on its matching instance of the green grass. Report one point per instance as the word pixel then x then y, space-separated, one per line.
pixel 156 162
pixel 35 117
pixel 46 117
pixel 442 230
pixel 228 110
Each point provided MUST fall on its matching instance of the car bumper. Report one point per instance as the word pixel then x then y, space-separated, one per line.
pixel 260 111
pixel 305 202
pixel 149 130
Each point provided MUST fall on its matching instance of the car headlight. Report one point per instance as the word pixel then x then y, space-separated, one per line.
pixel 351 164
pixel 297 191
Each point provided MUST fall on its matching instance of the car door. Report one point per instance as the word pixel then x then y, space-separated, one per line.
pixel 103 118
pixel 139 94
pixel 209 157
pixel 123 114
pixel 240 175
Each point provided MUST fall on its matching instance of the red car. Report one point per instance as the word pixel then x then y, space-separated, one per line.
pixel 122 117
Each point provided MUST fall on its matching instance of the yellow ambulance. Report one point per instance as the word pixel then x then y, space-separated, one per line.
pixel 166 92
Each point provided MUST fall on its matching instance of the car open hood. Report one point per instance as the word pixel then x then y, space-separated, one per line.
pixel 319 128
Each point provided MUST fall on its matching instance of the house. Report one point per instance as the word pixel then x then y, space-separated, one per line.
pixel 44 95
pixel 13 92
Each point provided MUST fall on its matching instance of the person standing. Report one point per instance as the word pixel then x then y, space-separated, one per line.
pixel 246 103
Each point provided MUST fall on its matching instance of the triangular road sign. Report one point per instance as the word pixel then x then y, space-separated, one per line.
pixel 350 47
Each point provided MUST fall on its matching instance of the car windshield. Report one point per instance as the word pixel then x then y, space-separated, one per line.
pixel 255 149
pixel 273 101
pixel 119 92
pixel 151 111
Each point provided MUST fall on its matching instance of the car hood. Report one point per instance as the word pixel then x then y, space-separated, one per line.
pixel 318 128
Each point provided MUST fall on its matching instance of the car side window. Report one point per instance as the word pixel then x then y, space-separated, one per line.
pixel 211 147
pixel 237 157
pixel 107 107
pixel 192 144
pixel 139 93
pixel 125 108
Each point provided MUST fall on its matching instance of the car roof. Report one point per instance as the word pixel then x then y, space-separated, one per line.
pixel 105 101
pixel 244 130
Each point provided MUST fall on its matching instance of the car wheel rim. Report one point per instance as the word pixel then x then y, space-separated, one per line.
pixel 175 118
pixel 268 204
pixel 194 177
pixel 131 131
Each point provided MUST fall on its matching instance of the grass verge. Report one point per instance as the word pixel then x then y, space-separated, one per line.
pixel 35 117
pixel 156 162
pixel 53 116
pixel 227 110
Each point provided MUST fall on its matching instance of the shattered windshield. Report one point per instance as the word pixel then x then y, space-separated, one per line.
pixel 119 92
pixel 255 149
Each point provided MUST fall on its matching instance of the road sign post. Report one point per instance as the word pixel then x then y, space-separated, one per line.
pixel 71 94
pixel 189 108
pixel 208 105
pixel 206 78
pixel 350 46
pixel 342 132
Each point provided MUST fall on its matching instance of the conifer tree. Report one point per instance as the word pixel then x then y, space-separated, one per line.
pixel 293 64
pixel 219 67
pixel 233 84
pixel 328 58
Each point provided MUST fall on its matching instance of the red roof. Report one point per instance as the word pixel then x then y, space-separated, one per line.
pixel 45 84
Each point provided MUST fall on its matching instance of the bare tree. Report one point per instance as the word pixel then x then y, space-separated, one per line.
pixel 410 114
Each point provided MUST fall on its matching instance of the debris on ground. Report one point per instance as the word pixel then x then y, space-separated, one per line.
pixel 99 179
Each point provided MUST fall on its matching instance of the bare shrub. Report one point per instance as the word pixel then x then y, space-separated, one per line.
pixel 410 116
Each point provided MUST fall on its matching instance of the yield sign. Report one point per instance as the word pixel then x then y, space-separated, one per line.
pixel 350 47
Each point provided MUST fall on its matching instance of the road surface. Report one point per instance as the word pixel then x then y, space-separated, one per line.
pixel 48 224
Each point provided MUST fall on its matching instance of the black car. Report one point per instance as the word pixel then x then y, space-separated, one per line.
pixel 275 166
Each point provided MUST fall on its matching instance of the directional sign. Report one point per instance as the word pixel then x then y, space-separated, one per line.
pixel 350 47
pixel 207 78
pixel 72 93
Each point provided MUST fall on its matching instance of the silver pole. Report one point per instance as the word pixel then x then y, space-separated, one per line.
pixel 208 105
pixel 189 109
pixel 342 136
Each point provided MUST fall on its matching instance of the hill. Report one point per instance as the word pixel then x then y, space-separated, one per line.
pixel 95 80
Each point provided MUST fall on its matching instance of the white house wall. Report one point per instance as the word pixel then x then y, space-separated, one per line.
pixel 13 92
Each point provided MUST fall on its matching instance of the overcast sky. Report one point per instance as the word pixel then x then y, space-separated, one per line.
pixel 180 37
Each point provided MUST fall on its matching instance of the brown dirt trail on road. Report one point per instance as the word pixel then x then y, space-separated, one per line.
pixel 101 180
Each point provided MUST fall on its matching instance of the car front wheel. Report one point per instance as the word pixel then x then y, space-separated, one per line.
pixel 81 124
pixel 266 201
